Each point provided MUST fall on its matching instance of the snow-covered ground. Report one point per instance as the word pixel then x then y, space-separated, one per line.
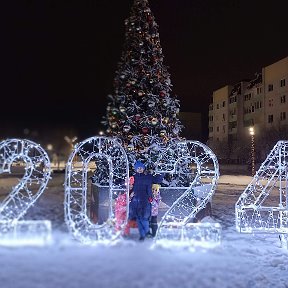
pixel 241 260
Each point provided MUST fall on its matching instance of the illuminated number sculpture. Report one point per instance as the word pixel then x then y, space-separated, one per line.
pixel 263 206
pixel 76 188
pixel 177 226
pixel 35 165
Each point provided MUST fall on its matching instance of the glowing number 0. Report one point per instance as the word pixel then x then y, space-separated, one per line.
pixel 76 187
pixel 30 187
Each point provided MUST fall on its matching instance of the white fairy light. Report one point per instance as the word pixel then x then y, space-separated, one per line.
pixel 37 173
pixel 76 186
pixel 25 233
pixel 175 227
pixel 256 209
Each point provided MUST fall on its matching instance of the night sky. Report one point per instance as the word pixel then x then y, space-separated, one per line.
pixel 54 51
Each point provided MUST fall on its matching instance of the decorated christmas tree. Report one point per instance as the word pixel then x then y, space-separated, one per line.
pixel 141 112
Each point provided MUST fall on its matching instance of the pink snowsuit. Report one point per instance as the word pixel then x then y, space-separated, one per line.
pixel 120 213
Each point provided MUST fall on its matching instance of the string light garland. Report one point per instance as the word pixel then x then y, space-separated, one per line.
pixel 26 233
pixel 142 111
pixel 37 171
pixel 176 226
pixel 254 211
pixel 76 188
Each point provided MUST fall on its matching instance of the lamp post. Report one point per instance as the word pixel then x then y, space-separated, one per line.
pixel 252 133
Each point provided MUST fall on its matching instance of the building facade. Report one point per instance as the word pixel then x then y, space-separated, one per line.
pixel 261 103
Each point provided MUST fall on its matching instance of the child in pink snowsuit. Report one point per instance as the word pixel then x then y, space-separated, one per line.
pixel 121 209
pixel 156 199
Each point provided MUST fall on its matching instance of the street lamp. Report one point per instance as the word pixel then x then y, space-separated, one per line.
pixel 49 147
pixel 252 133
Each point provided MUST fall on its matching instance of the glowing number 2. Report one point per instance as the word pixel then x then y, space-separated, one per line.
pixel 33 183
pixel 195 198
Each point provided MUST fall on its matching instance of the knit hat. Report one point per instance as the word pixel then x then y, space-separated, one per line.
pixel 156 187
pixel 139 164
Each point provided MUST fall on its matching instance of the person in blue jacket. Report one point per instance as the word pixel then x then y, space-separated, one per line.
pixel 140 205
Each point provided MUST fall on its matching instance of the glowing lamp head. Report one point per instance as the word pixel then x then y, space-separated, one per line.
pixel 251 131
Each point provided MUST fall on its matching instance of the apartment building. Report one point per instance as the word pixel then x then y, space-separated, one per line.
pixel 218 114
pixel 261 103
pixel 275 81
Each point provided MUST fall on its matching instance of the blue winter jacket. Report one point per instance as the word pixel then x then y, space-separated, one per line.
pixel 140 205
